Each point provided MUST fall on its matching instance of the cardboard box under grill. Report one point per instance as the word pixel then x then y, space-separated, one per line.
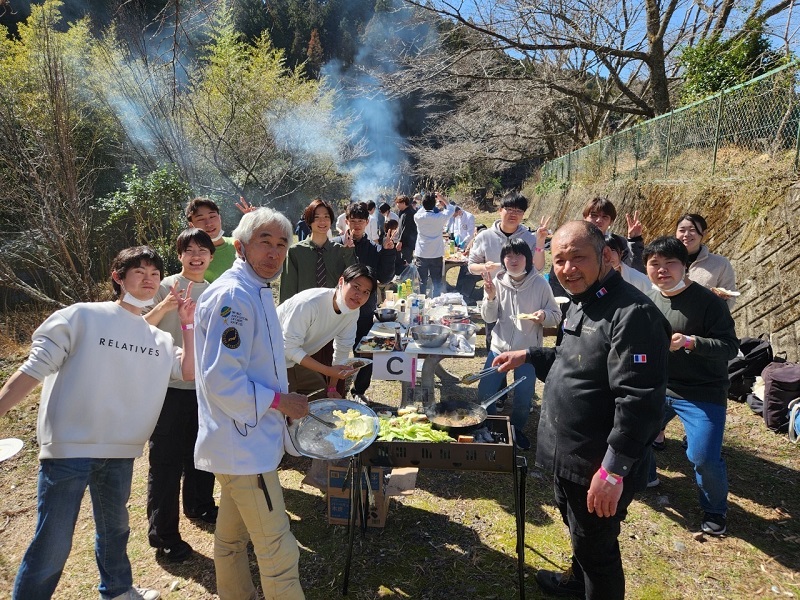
pixel 384 482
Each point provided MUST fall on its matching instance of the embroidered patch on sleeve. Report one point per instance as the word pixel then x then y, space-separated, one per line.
pixel 230 338
pixel 639 358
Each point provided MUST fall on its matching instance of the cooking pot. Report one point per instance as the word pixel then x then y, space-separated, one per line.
pixel 460 414
pixel 386 314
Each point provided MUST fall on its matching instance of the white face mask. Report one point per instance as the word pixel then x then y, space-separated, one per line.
pixel 340 303
pixel 219 237
pixel 129 298
pixel 679 286
pixel 516 273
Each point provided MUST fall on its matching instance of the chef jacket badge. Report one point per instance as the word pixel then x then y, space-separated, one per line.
pixel 230 338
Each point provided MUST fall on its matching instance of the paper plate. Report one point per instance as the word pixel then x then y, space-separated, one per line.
pixel 313 439
pixel 730 293
pixel 358 362
pixel 9 447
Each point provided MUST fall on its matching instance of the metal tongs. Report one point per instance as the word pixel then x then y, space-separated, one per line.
pixel 315 417
pixel 473 377
pixel 321 420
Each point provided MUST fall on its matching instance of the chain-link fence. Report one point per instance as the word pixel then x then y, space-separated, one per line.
pixel 757 118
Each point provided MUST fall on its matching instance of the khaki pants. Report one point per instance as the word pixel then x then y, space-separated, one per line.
pixel 245 515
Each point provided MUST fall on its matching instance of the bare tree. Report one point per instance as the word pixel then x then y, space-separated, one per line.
pixel 615 56
pixel 47 172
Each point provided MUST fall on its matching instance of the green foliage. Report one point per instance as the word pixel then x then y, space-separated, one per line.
pixel 714 65
pixel 149 210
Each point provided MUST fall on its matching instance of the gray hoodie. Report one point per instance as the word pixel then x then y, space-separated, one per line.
pixel 532 294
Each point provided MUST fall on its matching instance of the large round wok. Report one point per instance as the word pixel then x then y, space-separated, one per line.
pixel 460 414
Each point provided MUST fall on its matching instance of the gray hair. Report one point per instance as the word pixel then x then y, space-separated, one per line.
pixel 259 218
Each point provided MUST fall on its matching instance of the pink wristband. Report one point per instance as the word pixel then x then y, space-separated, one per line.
pixel 609 477
pixel 537 249
pixel 276 400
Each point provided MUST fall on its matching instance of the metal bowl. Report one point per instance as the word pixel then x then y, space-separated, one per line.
pixel 385 315
pixel 430 336
pixel 465 329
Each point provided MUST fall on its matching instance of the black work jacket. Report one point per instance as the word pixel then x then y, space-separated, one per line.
pixel 604 385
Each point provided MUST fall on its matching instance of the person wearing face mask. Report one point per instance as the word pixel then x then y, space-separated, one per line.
pixel 313 318
pixel 105 371
pixel 703 341
pixel 243 402
pixel 516 290
pixel 203 213
pixel 636 278
pixel 709 270
pixel 310 320
pixel 602 406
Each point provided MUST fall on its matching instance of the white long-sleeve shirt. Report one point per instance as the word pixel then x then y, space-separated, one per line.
pixel 636 278
pixel 309 322
pixel 105 373
pixel 463 228
pixel 430 225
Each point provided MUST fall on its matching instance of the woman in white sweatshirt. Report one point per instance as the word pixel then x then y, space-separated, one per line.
pixel 516 291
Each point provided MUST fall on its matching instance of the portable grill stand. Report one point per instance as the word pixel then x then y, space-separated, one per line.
pixel 517 466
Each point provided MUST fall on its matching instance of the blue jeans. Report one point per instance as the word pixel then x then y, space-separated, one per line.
pixel 430 267
pixel 523 393
pixel 62 483
pixel 704 423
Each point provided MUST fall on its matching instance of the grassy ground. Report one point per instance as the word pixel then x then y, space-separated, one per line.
pixel 455 535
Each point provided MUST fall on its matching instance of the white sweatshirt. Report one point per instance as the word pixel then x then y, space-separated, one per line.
pixel 309 322
pixel 105 373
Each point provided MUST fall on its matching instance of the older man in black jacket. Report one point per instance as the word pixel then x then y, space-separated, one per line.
pixel 602 408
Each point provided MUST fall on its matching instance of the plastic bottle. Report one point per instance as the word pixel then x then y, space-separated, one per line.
pixel 414 285
pixel 414 316
pixel 402 316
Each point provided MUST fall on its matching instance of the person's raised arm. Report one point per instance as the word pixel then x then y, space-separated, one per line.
pixel 541 238
pixel 185 306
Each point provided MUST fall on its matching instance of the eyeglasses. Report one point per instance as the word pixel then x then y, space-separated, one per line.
pixel 514 211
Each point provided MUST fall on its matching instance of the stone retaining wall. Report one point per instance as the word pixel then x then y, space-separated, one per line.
pixel 760 235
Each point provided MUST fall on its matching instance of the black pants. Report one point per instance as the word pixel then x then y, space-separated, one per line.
pixel 172 457
pixel 595 546
pixel 363 378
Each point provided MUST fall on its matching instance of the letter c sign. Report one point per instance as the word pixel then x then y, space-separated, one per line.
pixel 392 366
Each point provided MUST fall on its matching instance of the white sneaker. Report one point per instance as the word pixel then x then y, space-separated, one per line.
pixel 137 593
